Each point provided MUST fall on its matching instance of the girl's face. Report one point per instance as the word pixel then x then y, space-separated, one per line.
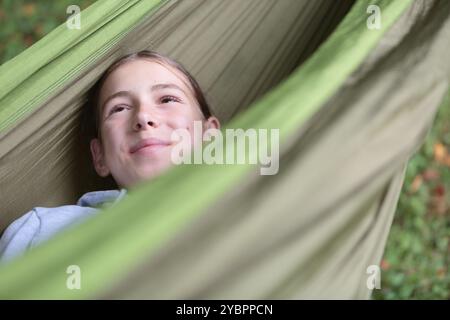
pixel 141 103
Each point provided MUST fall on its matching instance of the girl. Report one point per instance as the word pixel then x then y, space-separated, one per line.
pixel 134 108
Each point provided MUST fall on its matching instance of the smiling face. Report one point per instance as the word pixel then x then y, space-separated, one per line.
pixel 140 104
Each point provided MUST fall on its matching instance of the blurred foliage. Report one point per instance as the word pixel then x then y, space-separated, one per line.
pixel 22 22
pixel 417 256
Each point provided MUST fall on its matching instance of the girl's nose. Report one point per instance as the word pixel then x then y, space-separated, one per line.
pixel 144 121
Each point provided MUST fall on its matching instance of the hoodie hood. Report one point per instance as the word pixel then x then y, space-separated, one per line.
pixel 98 199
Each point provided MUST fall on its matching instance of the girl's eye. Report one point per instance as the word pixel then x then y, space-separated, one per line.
pixel 117 108
pixel 167 99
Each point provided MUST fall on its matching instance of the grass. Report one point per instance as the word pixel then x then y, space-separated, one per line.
pixel 24 22
pixel 417 255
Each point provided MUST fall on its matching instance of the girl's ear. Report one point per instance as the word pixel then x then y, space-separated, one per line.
pixel 98 158
pixel 212 123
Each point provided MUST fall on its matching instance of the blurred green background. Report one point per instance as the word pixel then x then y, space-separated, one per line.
pixel 24 22
pixel 417 256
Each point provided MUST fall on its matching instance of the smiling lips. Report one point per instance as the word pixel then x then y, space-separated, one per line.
pixel 148 143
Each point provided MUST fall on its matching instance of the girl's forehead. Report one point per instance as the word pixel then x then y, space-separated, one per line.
pixel 140 72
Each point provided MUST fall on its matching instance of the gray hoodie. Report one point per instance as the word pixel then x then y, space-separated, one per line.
pixel 40 224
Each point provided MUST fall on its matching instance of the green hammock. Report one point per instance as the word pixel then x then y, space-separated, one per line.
pixel 352 107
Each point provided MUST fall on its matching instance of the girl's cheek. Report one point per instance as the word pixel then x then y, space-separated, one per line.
pixel 185 118
pixel 180 121
pixel 111 131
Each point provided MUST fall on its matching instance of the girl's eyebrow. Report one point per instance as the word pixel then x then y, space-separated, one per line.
pixel 155 87
pixel 161 86
pixel 115 95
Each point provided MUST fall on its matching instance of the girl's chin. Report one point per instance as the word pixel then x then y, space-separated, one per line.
pixel 152 170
